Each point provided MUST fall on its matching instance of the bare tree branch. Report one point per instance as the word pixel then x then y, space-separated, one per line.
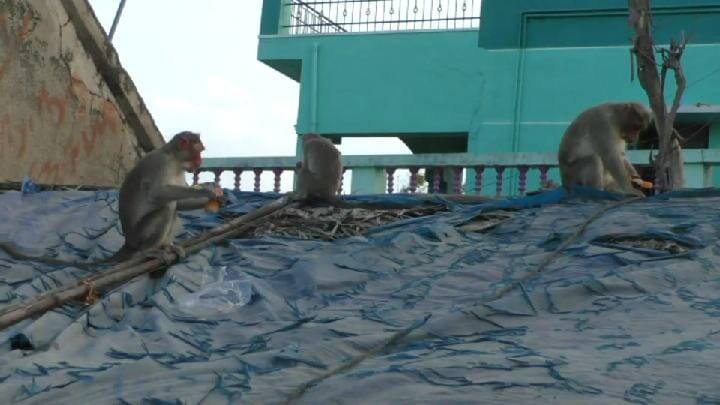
pixel 669 173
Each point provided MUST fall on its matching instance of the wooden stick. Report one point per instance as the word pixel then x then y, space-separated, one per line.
pixel 132 268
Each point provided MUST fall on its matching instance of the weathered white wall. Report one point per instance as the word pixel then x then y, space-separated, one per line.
pixel 69 113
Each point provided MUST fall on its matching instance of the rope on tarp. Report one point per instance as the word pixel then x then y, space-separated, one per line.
pixel 398 336
pixel 87 289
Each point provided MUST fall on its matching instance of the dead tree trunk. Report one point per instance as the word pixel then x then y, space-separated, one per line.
pixel 669 172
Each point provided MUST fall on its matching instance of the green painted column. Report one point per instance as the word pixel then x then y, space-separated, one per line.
pixel 285 18
pixel 368 180
pixel 696 176
pixel 298 156
pixel 270 18
pixel 713 170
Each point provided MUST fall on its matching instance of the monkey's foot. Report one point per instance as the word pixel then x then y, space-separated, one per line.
pixel 178 250
pixel 159 254
pixel 164 253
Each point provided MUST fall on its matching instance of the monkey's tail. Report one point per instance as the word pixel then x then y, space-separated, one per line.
pixel 13 251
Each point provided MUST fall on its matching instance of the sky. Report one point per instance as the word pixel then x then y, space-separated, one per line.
pixel 195 65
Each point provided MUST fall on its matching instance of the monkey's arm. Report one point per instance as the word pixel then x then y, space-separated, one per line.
pixel 630 168
pixel 167 193
pixel 192 203
pixel 617 165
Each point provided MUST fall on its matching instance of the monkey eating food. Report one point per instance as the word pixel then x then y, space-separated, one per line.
pixel 150 196
pixel 592 151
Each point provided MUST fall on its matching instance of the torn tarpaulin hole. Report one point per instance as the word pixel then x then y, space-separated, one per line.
pixel 486 221
pixel 21 342
pixel 652 243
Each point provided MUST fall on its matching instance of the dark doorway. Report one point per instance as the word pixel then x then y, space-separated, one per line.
pixel 697 137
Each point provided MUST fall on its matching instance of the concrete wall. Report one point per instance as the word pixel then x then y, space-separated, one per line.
pixel 69 113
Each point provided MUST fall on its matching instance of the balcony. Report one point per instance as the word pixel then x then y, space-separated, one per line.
pixel 312 17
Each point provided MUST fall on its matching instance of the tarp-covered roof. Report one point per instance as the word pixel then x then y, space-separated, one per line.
pixel 403 315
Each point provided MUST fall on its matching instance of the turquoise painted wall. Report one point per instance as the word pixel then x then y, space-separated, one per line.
pixel 534 66
pixel 571 23
pixel 367 84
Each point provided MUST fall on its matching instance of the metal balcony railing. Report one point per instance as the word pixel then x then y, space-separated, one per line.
pixel 337 16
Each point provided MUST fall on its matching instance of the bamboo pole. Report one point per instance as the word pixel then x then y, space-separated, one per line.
pixel 139 265
pixel 126 271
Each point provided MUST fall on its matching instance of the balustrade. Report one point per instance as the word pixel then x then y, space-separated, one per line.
pixel 435 182
pixel 513 173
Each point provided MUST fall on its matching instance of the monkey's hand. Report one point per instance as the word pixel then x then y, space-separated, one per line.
pixel 640 183
pixel 207 191
pixel 218 200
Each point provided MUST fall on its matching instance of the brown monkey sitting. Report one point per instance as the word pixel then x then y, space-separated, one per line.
pixel 150 196
pixel 320 175
pixel 320 172
pixel 592 151
pixel 155 189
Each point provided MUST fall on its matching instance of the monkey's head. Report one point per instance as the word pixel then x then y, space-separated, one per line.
pixel 308 137
pixel 634 118
pixel 187 146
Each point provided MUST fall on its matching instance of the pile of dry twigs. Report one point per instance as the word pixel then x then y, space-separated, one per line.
pixel 330 223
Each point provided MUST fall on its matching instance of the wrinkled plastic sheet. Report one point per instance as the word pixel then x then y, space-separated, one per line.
pixel 604 323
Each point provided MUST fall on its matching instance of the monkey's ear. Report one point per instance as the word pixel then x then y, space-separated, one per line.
pixel 184 143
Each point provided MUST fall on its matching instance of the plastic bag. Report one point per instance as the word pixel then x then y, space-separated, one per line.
pixel 28 186
pixel 217 297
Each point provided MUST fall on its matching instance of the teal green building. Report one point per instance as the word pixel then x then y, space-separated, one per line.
pixel 491 81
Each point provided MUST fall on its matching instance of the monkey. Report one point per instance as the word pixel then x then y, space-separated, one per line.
pixel 320 175
pixel 592 150
pixel 320 172
pixel 149 198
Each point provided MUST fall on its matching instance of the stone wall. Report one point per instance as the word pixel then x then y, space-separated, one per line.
pixel 69 113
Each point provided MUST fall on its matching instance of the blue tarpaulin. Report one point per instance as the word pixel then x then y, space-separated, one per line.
pixel 408 309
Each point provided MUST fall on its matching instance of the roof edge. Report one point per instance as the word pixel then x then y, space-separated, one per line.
pixel 95 42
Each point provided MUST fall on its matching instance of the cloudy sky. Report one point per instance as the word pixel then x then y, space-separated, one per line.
pixel 195 65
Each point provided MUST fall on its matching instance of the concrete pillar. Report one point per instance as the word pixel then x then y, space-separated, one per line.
pixel 298 156
pixel 695 176
pixel 713 143
pixel 368 180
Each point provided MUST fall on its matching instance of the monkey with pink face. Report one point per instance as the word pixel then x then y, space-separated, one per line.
pixel 150 196
pixel 155 189
pixel 592 151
